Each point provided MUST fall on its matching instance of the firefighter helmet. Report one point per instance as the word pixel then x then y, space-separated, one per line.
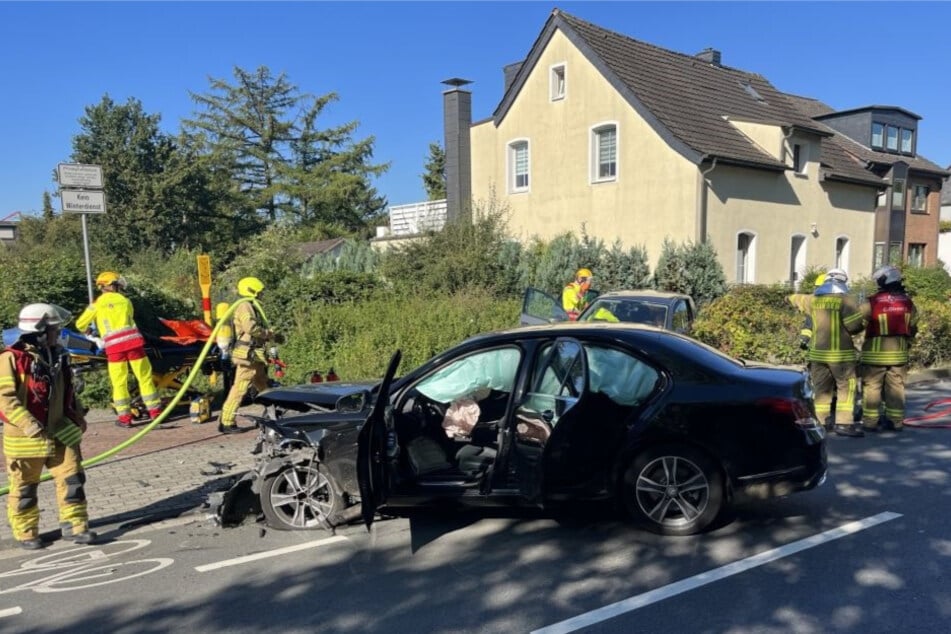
pixel 107 278
pixel 886 275
pixel 839 275
pixel 250 287
pixel 583 273
pixel 37 317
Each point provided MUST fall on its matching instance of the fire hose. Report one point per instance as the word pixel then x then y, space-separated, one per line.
pixel 171 405
pixel 930 420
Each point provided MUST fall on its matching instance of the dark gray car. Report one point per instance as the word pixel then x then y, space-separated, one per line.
pixel 670 311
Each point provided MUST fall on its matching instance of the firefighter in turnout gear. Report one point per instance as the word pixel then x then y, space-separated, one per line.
pixel 832 317
pixel 124 345
pixel 251 334
pixel 42 427
pixel 574 298
pixel 892 323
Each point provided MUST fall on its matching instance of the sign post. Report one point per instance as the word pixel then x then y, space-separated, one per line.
pixel 81 192
pixel 204 282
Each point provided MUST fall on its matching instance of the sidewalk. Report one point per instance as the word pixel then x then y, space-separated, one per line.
pixel 167 473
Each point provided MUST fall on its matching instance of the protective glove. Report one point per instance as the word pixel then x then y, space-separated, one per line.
pixel 803 342
pixel 34 430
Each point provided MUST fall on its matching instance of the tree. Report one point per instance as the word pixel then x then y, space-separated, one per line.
pixel 434 178
pixel 47 206
pixel 263 132
pixel 158 196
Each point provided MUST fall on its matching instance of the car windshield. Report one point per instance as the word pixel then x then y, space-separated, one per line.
pixel 632 310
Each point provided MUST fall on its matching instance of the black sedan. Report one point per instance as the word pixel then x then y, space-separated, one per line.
pixel 669 428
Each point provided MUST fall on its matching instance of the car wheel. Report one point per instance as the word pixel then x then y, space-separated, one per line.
pixel 672 490
pixel 299 497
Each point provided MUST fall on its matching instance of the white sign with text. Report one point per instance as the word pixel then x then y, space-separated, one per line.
pixel 83 202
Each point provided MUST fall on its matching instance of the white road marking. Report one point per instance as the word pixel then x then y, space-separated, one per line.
pixel 659 594
pixel 10 612
pixel 270 553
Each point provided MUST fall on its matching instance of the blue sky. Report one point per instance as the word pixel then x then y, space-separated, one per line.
pixel 386 61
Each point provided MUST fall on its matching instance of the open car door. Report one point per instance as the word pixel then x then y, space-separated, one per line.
pixel 371 448
pixel 538 307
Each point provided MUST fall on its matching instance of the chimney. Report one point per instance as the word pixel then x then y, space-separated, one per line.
pixel 457 119
pixel 510 72
pixel 709 55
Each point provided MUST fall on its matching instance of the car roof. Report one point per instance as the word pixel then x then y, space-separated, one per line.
pixel 644 294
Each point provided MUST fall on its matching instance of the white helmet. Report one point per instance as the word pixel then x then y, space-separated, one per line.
pixel 37 317
pixel 886 275
pixel 839 275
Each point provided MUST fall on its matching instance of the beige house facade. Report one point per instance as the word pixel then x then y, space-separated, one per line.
pixel 639 144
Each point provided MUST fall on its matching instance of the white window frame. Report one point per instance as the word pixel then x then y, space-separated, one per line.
pixel 919 261
pixel 594 159
pixel 511 176
pixel 840 259
pixel 798 267
pixel 749 268
pixel 558 80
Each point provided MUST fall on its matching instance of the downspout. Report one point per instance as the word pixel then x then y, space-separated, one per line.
pixel 702 202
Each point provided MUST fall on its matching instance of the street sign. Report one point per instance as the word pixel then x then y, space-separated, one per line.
pixel 83 202
pixel 79 176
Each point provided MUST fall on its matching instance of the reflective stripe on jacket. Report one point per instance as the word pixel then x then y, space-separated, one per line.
pixel 113 315
pixel 834 319
pixel 250 333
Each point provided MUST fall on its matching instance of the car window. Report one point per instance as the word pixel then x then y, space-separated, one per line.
pixel 557 380
pixel 681 317
pixel 489 370
pixel 620 376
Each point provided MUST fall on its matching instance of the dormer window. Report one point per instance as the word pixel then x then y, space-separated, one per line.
pixel 878 136
pixel 892 138
pixel 906 137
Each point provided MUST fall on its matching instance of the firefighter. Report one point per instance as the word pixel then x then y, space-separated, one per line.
pixel 832 317
pixel 574 298
pixel 124 345
pixel 892 323
pixel 251 334
pixel 42 426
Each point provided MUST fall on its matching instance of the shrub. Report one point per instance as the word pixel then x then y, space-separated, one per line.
pixel 752 322
pixel 691 268
pixel 932 282
pixel 932 346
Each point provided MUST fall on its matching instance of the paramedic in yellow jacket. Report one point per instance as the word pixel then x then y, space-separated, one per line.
pixel 125 346
pixel 251 334
pixel 42 427
pixel 574 297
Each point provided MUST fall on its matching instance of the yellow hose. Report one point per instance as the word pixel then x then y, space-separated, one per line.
pixel 172 404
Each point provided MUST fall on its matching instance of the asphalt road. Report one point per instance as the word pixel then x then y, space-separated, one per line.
pixel 869 551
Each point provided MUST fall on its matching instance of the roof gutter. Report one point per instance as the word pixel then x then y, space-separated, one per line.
pixel 702 187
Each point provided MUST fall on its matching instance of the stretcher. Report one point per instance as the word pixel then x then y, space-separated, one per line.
pixel 173 353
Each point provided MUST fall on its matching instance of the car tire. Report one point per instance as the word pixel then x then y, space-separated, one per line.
pixel 672 490
pixel 300 497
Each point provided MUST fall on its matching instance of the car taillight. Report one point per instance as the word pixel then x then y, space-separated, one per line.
pixel 792 408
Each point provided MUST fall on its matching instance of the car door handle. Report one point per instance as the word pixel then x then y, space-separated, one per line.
pixel 548 416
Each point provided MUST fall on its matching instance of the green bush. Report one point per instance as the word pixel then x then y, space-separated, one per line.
pixel 752 322
pixel 932 346
pixel 932 282
pixel 691 268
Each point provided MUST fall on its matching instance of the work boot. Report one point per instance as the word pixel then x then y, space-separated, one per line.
pixel 84 538
pixel 124 420
pixel 155 413
pixel 892 426
pixel 33 543
pixel 872 429
pixel 228 429
pixel 848 430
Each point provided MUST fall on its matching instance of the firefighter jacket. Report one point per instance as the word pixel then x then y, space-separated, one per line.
pixel 831 320
pixel 37 403
pixel 250 334
pixel 892 323
pixel 573 298
pixel 112 313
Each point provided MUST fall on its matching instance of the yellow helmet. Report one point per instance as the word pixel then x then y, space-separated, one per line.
pixel 820 279
pixel 250 287
pixel 221 309
pixel 583 273
pixel 108 277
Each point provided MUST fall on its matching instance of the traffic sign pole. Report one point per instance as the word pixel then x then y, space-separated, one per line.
pixel 92 297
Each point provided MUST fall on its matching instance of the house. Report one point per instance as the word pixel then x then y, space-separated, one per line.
pixel 310 250
pixel 944 239
pixel 9 228
pixel 946 199
pixel 644 144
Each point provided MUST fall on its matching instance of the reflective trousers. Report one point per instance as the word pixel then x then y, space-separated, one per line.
pixel 119 376
pixel 834 379
pixel 244 377
pixel 23 510
pixel 883 382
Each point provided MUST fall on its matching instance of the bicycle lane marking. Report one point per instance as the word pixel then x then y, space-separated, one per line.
pixel 84 567
pixel 237 561
pixel 690 583
pixel 10 612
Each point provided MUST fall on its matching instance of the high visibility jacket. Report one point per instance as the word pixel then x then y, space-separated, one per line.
pixel 36 394
pixel 573 298
pixel 113 315
pixel 250 332
pixel 892 322
pixel 831 322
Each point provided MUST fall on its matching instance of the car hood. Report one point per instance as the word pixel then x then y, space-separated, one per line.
pixel 322 394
